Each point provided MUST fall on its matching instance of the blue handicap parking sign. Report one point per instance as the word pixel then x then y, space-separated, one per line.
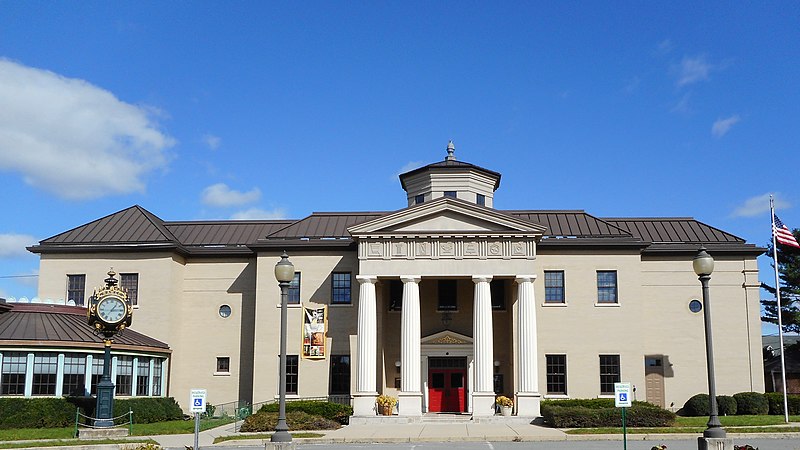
pixel 198 402
pixel 623 397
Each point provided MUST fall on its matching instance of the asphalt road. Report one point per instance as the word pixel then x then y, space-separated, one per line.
pixel 687 444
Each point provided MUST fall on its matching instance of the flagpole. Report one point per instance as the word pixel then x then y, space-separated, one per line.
pixel 780 310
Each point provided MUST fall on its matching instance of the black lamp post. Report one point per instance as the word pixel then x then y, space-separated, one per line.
pixel 703 265
pixel 284 273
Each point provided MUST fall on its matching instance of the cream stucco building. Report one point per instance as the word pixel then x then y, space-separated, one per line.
pixel 445 303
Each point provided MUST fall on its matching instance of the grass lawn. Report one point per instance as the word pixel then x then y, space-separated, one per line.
pixel 60 443
pixel 143 429
pixel 299 434
pixel 734 424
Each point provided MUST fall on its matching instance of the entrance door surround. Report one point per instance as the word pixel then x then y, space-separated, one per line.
pixel 447 344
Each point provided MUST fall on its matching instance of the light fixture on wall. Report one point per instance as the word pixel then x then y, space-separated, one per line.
pixel 496 366
pixel 446 319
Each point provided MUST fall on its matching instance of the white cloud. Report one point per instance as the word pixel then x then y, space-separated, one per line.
pixel 722 126
pixel 212 141
pixel 73 139
pixel 13 245
pixel 682 105
pixel 221 195
pixel 260 214
pixel 411 165
pixel 759 204
pixel 692 70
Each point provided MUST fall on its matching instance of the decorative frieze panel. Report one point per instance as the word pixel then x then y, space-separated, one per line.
pixel 447 248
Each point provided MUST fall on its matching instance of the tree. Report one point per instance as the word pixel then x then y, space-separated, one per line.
pixel 789 273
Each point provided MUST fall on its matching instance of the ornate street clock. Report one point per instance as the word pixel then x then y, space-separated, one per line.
pixel 109 312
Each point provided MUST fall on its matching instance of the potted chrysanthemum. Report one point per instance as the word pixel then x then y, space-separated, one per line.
pixel 385 404
pixel 505 404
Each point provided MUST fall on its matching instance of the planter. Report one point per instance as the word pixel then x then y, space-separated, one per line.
pixel 385 410
pixel 506 410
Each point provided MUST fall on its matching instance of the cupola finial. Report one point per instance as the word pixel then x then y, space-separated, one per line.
pixel 451 149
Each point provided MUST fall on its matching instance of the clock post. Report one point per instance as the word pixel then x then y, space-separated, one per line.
pixel 109 312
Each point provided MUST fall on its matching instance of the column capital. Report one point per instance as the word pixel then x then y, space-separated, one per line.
pixel 370 279
pixel 525 279
pixel 410 278
pixel 481 278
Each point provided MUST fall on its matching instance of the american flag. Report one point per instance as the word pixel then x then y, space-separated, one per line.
pixel 783 235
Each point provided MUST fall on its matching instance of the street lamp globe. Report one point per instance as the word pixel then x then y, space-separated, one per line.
pixel 284 270
pixel 702 263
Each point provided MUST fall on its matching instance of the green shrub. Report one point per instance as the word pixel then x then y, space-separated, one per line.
pixel 296 420
pixel 751 403
pixel 775 400
pixel 697 405
pixel 640 415
pixel 149 409
pixel 328 410
pixel 36 413
pixel 726 405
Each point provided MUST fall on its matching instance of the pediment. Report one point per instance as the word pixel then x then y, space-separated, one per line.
pixel 446 216
pixel 446 337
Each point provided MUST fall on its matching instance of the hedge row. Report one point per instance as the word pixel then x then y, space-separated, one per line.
pixel 328 410
pixel 60 412
pixel 296 420
pixel 743 403
pixel 602 413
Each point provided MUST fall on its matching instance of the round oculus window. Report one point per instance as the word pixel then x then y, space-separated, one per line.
pixel 224 311
pixel 695 306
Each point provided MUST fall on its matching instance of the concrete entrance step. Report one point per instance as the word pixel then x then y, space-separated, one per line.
pixel 446 418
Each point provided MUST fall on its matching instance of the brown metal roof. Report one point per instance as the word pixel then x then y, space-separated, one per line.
pixel 43 324
pixel 571 224
pixel 235 233
pixel 674 230
pixel 131 225
pixel 325 225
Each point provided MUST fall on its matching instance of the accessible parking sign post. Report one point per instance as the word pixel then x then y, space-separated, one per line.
pixel 622 399
pixel 197 400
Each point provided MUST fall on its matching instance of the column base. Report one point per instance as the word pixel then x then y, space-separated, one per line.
pixel 483 404
pixel 409 404
pixel 704 443
pixel 364 404
pixel 528 404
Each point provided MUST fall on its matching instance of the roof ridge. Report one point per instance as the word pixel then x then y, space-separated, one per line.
pixel 227 221
pixel 158 222
pixel 648 218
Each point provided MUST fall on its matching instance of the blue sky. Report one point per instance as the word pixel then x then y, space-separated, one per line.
pixel 217 110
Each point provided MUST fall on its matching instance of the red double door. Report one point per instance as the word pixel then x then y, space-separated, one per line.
pixel 447 388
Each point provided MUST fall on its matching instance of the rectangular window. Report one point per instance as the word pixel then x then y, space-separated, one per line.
pixel 130 282
pixel 557 374
pixel 142 376
pixel 292 362
pixel 451 194
pixel 223 364
pixel 15 365
pixel 294 290
pixel 76 288
pixel 157 364
pixel 395 295
pixel 124 375
pixel 554 286
pixel 97 372
pixel 74 381
pixel 340 288
pixel 448 295
pixel 609 373
pixel 419 199
pixel 498 289
pixel 480 199
pixel 45 366
pixel 340 375
pixel 606 286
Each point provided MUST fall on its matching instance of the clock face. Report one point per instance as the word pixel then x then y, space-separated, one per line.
pixel 111 309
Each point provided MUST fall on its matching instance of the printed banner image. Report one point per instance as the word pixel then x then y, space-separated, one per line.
pixel 315 327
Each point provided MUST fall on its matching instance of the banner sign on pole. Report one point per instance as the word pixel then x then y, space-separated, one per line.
pixel 315 327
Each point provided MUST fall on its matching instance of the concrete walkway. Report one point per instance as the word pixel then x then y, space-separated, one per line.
pixel 427 432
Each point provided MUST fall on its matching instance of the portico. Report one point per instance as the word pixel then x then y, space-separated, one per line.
pixel 452 249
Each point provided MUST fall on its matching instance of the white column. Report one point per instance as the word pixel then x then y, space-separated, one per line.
pixel 483 342
pixel 528 398
pixel 150 379
pixel 87 380
pixel 29 375
pixel 134 375
pixel 410 349
pixel 366 365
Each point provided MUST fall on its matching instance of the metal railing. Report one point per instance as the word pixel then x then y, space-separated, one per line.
pixel 89 422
